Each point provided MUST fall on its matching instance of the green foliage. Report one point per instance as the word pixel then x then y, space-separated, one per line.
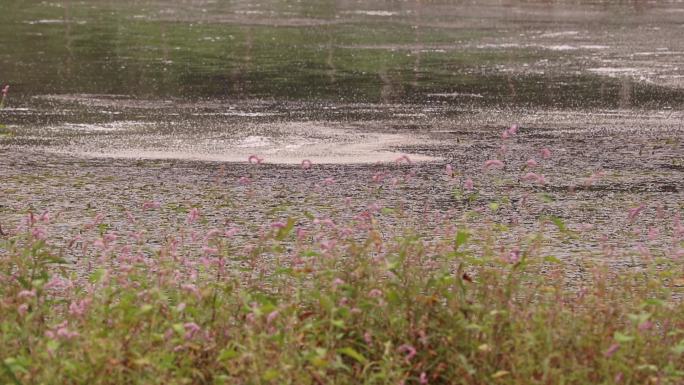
pixel 449 313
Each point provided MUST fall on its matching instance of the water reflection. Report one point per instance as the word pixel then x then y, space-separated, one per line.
pixel 510 53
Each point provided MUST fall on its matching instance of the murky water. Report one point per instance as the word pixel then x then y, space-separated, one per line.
pixel 588 54
pixel 194 79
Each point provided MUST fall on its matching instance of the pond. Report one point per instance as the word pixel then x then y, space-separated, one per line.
pixel 122 94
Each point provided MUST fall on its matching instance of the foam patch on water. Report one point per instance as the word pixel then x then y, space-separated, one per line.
pixel 560 34
pixel 376 13
pixel 455 95
pixel 100 127
pixel 615 71
pixel 277 143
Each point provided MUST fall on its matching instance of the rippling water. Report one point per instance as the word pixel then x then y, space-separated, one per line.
pixel 201 76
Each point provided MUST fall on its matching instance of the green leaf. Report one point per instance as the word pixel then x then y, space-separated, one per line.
pixel 558 222
pixel 52 345
pixel 326 303
pixel 500 373
pixel 654 302
pixel 146 308
pixel 97 275
pixel 679 348
pixel 552 259
pixel 338 323
pixel 10 372
pixel 462 237
pixel 350 352
pixel 619 337
pixel 228 354
pixel 178 328
pixel 270 374
pixel 102 227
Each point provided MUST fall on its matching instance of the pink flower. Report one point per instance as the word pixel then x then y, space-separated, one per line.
pixel 409 350
pixel 44 217
pixel 22 309
pixel 278 225
pixel 212 233
pixel 586 226
pixel 191 329
pixel 244 180
pixel 368 338
pixel 56 283
pixel 403 158
pixel 209 250
pixel 468 184
pixel 66 334
pixel 493 163
pixel 677 227
pixel 513 129
pixel 190 288
pixel 653 233
pixel 646 325
pixel 27 294
pixel 643 250
pixel 374 293
pixel 328 244
pixel 272 316
pixel 513 257
pixel 253 159
pixel 449 170
pixel 193 215
pixel 328 181
pixel 633 212
pixel 532 177
pixel 306 164
pixel 5 90
pixel 545 153
pixel 62 331
pixel 505 134
pixel 78 308
pixel 611 350
pixel 531 163
pixel 337 282
pixel 39 233
pixel 231 232
pixel 147 205
pixel 423 378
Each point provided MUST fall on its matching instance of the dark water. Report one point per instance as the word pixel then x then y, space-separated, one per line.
pixel 519 54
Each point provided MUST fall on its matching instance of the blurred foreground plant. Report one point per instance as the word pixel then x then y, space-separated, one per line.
pixel 324 307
